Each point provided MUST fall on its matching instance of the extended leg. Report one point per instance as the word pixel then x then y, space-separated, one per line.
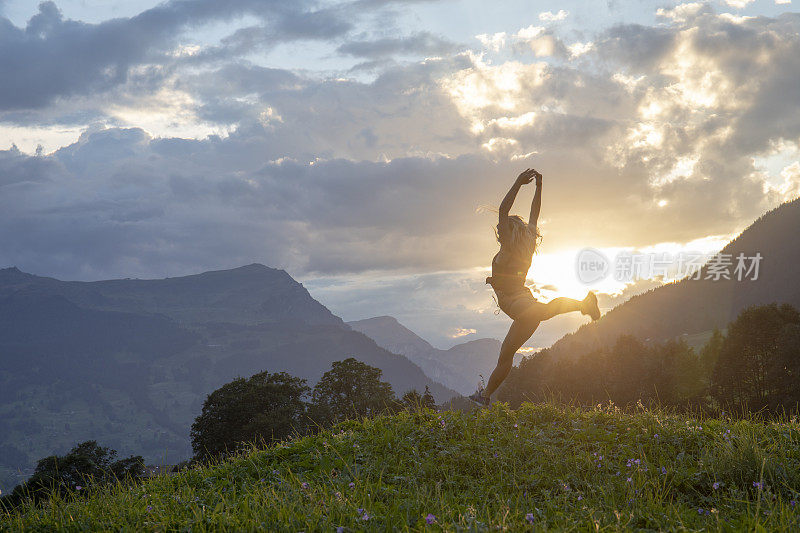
pixel 559 306
pixel 519 332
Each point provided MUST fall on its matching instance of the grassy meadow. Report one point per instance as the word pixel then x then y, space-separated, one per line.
pixel 542 467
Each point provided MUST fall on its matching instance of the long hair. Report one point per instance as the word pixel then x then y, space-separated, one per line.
pixel 521 239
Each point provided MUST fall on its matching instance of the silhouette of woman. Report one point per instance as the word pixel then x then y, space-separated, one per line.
pixel 518 241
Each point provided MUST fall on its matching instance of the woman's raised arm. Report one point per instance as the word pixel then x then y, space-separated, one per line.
pixel 536 205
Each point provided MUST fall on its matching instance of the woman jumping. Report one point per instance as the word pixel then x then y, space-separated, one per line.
pixel 518 241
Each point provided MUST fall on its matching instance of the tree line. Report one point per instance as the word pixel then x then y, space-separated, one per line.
pixel 269 407
pixel 261 409
pixel 753 367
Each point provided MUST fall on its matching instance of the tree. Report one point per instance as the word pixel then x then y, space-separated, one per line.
pixel 710 352
pixel 262 409
pixel 428 401
pixel 413 400
pixel 85 467
pixel 351 389
pixel 758 362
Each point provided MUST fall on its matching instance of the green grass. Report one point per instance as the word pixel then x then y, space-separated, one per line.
pixel 541 467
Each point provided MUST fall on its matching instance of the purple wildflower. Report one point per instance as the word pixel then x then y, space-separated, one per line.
pixel 430 519
pixel 304 485
pixel 78 487
pixel 758 485
pixel 529 518
pixel 664 470
pixel 715 485
pixel 792 502
pixel 149 508
pixel 351 485
pixel 629 480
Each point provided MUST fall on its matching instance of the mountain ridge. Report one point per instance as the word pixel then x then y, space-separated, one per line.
pixel 458 367
pixel 129 362
pixel 696 306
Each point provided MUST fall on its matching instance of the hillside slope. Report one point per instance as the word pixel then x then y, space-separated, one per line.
pixel 542 468
pixel 695 306
pixel 129 362
pixel 458 367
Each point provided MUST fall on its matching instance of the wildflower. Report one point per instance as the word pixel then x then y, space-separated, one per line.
pixel 715 485
pixel 792 502
pixel 580 497
pixel 340 529
pixel 758 485
pixel 304 485
pixel 515 426
pixel 351 485
pixel 78 487
pixel 630 480
pixel 360 510
pixel 700 511
pixel 430 519
pixel 365 517
pixel 149 508
pixel 664 470
pixel 529 518
pixel 655 436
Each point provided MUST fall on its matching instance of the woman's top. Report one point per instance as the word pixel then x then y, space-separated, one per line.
pixel 509 271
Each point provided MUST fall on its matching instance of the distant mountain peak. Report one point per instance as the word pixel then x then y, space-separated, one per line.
pixel 256 267
pixel 457 367
pixel 383 319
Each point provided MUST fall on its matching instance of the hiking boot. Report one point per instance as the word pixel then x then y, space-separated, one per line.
pixel 589 306
pixel 479 398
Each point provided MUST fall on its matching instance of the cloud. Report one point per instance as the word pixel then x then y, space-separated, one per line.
pixel 327 175
pixel 462 332
pixel 549 16
pixel 53 57
pixel 738 4
pixel 418 44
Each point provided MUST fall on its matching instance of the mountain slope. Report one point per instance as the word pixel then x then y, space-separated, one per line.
pixel 694 306
pixel 458 368
pixel 546 467
pixel 129 362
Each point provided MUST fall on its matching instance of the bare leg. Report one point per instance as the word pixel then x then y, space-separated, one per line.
pixel 557 306
pixel 519 333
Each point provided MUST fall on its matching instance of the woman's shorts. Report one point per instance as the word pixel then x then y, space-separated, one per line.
pixel 515 303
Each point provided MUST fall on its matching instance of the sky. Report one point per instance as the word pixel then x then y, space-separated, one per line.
pixel 364 145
